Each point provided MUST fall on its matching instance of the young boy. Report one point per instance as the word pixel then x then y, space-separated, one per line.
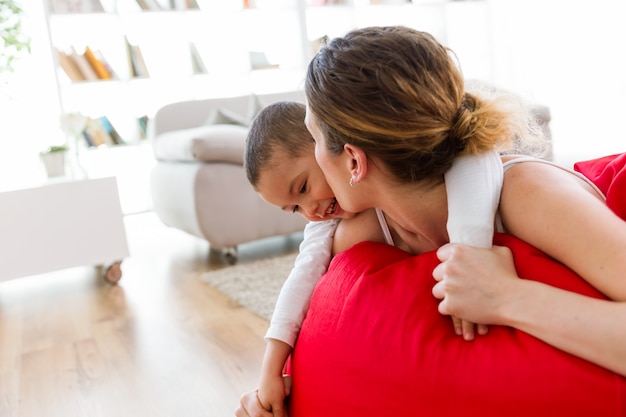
pixel 281 166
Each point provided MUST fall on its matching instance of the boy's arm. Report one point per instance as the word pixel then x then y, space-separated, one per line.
pixel 294 297
pixel 291 306
pixel 271 393
pixel 473 187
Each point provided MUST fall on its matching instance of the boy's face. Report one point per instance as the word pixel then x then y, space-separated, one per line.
pixel 333 167
pixel 298 185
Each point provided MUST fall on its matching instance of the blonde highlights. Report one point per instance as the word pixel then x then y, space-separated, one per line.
pixel 399 94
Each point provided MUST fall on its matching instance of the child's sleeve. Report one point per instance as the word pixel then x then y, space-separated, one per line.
pixel 311 263
pixel 473 185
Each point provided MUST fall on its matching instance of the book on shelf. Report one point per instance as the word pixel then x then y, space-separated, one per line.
pixel 113 75
pixel 183 4
pixel 258 60
pixel 69 66
pixel 76 6
pixel 143 126
pixel 87 66
pixel 158 5
pixel 94 133
pixel 197 63
pixel 83 64
pixel 113 134
pixel 98 66
pixel 99 131
pixel 138 66
pixel 149 5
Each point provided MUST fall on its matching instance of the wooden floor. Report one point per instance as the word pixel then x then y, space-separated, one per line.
pixel 161 343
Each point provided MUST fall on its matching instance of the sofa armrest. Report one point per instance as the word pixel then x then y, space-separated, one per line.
pixel 210 143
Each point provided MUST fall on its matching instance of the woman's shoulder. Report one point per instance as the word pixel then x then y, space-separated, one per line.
pixel 530 172
pixel 363 226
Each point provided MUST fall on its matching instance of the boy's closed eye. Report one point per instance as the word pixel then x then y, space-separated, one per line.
pixel 302 191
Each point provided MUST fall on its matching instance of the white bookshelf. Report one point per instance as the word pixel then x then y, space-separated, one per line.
pixel 224 33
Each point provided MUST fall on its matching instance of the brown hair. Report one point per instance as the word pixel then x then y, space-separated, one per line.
pixel 398 94
pixel 279 126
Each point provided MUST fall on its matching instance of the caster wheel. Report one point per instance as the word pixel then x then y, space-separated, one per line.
pixel 113 273
pixel 230 255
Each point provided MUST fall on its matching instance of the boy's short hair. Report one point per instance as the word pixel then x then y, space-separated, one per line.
pixel 279 126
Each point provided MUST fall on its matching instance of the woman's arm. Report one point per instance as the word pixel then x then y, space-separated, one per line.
pixel 562 216
pixel 482 285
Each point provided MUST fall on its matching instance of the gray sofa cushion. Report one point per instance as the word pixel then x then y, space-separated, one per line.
pixel 209 143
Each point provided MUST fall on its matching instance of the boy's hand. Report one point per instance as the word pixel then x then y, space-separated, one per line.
pixel 249 406
pixel 271 395
pixel 250 403
pixel 466 328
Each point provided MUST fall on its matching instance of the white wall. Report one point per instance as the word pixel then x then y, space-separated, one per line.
pixel 571 56
pixel 567 54
pixel 29 108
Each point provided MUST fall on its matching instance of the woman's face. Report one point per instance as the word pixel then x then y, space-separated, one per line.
pixel 334 167
pixel 299 186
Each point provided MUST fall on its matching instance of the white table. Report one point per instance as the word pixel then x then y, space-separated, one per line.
pixel 62 224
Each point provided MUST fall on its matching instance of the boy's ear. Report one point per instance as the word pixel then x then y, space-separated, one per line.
pixel 357 160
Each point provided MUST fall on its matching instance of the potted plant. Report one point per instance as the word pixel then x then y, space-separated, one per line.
pixel 53 160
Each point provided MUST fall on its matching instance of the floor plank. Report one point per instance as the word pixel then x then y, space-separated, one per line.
pixel 161 343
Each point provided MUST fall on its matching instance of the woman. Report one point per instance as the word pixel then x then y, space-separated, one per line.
pixel 389 112
pixel 392 128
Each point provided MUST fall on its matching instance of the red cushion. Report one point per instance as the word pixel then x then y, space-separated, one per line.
pixel 609 174
pixel 374 344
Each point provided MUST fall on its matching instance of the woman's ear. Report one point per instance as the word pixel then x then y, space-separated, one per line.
pixel 357 160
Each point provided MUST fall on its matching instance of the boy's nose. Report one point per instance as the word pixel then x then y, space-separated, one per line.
pixel 311 210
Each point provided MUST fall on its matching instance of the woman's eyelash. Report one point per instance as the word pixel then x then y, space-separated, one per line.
pixel 295 209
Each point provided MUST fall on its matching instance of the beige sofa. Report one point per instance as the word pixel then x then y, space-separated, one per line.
pixel 198 184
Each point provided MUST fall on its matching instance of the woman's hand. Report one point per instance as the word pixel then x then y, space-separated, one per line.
pixel 251 405
pixel 473 283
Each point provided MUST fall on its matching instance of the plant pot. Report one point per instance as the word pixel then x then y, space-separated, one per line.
pixel 54 162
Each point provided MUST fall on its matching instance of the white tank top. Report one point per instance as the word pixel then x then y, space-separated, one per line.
pixel 508 164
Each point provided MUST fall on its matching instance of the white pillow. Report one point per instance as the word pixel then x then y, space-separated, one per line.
pixel 221 142
pixel 220 116
pixel 226 143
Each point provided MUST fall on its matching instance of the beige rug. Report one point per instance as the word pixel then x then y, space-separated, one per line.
pixel 254 285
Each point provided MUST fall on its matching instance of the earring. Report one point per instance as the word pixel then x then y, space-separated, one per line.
pixel 353 182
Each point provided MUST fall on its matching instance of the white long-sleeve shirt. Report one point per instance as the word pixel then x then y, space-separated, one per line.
pixel 311 263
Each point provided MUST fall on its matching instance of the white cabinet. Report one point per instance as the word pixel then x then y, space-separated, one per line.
pixel 60 225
